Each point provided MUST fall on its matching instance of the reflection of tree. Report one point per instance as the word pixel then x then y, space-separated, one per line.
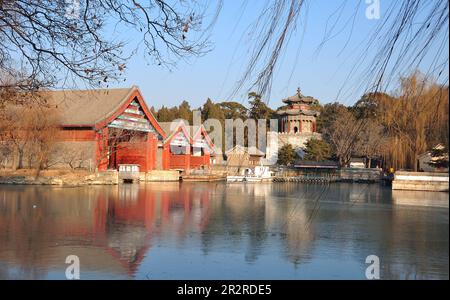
pixel 113 228
pixel 31 223
pixel 248 216
pixel 298 226
pixel 415 234
pixel 256 230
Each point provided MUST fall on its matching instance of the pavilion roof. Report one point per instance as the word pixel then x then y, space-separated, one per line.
pixel 297 111
pixel 86 107
pixel 170 128
pixel 299 98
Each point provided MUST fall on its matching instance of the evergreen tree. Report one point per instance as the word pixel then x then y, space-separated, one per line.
pixel 211 110
pixel 167 114
pixel 317 150
pixel 234 110
pixel 439 157
pixel 163 114
pixel 153 111
pixel 258 109
pixel 286 155
pixel 184 112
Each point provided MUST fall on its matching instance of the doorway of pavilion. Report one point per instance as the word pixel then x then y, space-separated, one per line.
pixel 121 142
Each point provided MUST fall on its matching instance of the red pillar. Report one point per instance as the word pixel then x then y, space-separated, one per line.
pixel 166 157
pixel 101 149
pixel 187 161
pixel 150 153
pixel 155 147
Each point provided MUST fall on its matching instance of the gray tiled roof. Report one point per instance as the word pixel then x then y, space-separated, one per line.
pixel 295 112
pixel 86 107
pixel 241 149
pixel 298 97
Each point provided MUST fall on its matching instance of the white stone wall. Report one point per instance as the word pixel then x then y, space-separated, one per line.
pixel 276 140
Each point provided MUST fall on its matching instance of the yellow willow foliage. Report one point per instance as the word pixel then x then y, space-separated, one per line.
pixel 414 121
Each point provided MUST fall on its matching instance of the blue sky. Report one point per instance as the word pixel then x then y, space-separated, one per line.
pixel 322 74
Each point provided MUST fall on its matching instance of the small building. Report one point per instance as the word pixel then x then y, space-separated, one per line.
pixel 357 163
pixel 240 156
pixel 304 167
pixel 425 160
pixel 186 147
pixel 105 128
pixel 316 165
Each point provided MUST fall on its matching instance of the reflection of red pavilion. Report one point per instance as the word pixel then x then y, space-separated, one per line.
pixel 121 222
pixel 131 218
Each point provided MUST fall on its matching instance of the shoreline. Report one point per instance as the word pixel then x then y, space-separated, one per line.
pixel 70 178
pixel 51 181
pixel 78 178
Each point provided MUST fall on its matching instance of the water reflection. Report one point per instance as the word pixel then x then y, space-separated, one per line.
pixel 218 230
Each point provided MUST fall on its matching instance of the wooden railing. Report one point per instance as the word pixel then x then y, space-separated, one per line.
pixel 188 161
pixel 179 161
pixel 198 161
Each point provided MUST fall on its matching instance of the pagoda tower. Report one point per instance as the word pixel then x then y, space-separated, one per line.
pixel 297 116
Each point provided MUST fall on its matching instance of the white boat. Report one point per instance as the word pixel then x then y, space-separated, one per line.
pixel 258 174
pixel 263 173
pixel 235 178
pixel 253 179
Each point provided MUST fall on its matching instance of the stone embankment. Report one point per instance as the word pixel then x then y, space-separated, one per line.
pixel 421 181
pixel 79 178
pixel 342 175
pixel 305 179
pixel 67 179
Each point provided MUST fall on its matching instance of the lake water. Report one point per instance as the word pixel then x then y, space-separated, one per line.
pixel 223 231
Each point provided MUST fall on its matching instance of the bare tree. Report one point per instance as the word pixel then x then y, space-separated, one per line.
pixel 15 121
pixel 74 156
pixel 30 131
pixel 115 141
pixel 343 134
pixel 372 141
pixel 55 41
pixel 44 126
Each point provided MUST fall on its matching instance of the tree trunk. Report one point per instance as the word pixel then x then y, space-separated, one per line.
pixel 20 158
pixel 39 167
pixel 30 162
pixel 416 163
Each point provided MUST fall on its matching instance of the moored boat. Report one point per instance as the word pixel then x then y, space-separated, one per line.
pixel 235 178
